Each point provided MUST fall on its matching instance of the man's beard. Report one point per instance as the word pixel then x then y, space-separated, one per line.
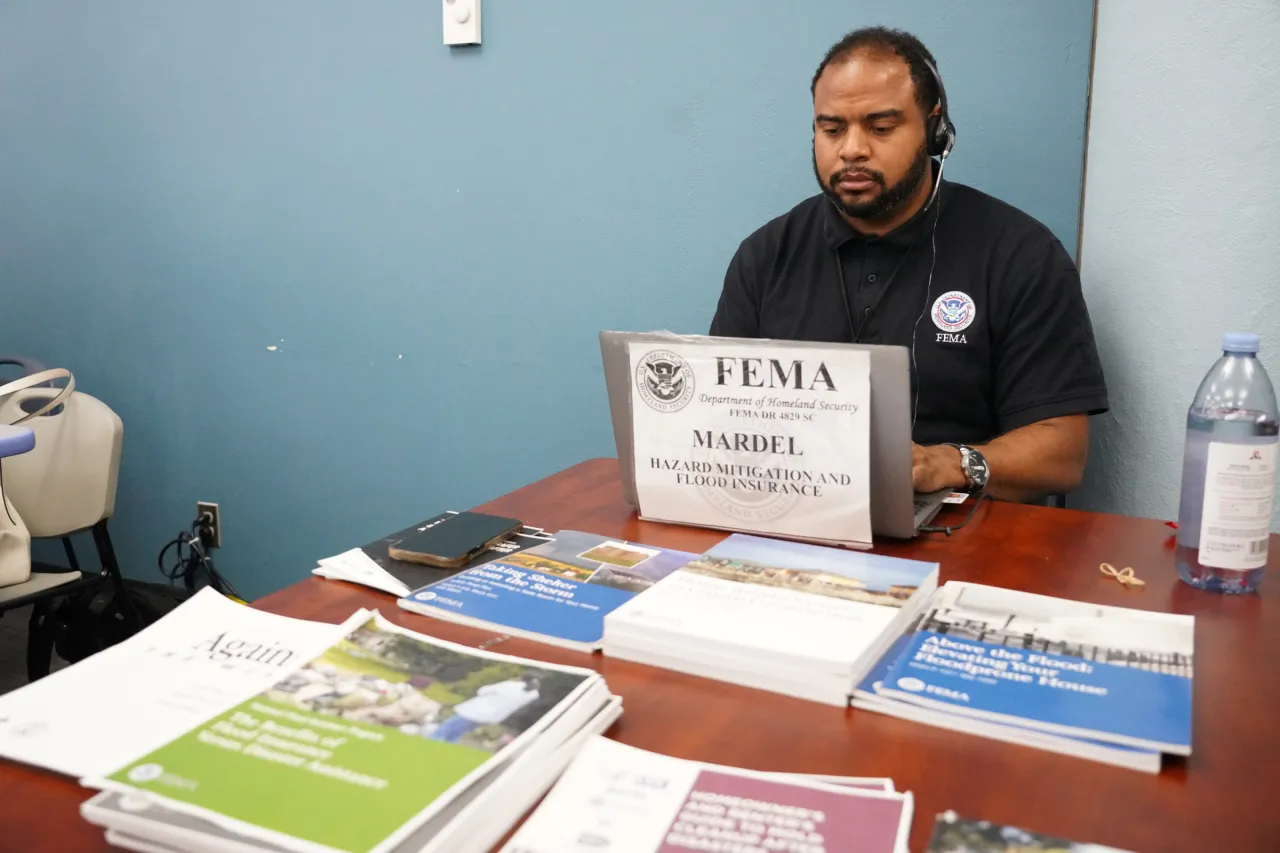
pixel 885 203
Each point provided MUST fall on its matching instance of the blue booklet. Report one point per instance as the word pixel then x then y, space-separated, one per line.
pixel 1085 671
pixel 867 697
pixel 558 592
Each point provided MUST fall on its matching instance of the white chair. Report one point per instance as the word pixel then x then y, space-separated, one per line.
pixel 68 483
pixel 65 485
pixel 15 539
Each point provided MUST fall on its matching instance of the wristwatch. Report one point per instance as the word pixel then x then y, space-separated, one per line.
pixel 974 465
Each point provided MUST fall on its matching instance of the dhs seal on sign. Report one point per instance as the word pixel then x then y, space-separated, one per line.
pixel 953 312
pixel 665 381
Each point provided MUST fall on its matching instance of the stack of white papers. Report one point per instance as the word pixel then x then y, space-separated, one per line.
pixel 803 620
pixel 355 566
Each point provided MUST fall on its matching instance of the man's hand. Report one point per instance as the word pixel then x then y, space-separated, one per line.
pixel 936 467
pixel 1038 459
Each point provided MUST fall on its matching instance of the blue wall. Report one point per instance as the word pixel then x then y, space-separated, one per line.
pixel 1208 234
pixel 430 237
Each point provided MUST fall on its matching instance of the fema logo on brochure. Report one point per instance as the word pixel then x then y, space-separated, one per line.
pixel 954 311
pixel 665 381
pixel 911 685
pixel 146 773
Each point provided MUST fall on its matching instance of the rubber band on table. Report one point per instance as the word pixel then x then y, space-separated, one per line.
pixel 1125 576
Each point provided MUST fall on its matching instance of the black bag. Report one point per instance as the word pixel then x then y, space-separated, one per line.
pixel 91 621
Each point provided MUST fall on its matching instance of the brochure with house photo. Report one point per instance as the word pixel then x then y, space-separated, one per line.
pixel 1072 668
pixel 558 592
pixel 867 697
pixel 795 618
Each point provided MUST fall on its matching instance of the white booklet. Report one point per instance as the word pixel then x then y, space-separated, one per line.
pixel 627 800
pixel 207 655
pixel 752 607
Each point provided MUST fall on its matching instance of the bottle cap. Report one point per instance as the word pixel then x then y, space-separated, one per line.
pixel 1240 342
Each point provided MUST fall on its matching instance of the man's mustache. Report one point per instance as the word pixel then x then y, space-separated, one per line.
pixel 878 177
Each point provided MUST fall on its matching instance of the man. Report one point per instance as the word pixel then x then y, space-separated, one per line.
pixel 492 704
pixel 1005 372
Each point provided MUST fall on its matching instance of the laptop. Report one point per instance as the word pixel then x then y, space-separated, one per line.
pixel 897 511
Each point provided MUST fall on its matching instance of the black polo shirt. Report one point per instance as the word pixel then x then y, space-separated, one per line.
pixel 1002 336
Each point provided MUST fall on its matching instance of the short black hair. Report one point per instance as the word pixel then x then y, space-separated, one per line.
pixel 898 42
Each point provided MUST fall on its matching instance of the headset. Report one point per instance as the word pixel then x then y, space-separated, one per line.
pixel 940 133
pixel 940 138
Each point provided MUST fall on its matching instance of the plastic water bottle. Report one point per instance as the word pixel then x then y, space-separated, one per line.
pixel 1229 473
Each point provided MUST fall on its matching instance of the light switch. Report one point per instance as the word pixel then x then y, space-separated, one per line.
pixel 461 21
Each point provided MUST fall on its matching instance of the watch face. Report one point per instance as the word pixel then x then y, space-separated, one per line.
pixel 976 466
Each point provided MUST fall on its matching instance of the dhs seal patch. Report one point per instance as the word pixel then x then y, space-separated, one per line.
pixel 954 311
pixel 665 381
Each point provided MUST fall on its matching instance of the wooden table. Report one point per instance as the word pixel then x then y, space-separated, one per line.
pixel 1224 798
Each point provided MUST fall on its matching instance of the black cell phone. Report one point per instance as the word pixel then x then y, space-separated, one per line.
pixel 451 541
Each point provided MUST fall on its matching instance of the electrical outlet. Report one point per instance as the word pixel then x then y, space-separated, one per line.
pixel 203 507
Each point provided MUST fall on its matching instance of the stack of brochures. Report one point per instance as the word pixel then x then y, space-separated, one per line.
pixel 374 565
pixel 1107 683
pixel 626 800
pixel 559 591
pixel 223 728
pixel 955 834
pixel 803 620
pixel 210 653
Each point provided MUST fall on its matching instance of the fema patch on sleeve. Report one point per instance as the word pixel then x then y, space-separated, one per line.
pixel 954 311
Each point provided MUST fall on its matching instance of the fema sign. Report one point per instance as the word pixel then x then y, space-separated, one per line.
pixel 765 438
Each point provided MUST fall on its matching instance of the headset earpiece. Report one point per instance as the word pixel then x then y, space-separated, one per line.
pixel 940 133
pixel 943 137
pixel 935 134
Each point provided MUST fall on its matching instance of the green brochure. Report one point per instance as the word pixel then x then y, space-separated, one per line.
pixel 354 748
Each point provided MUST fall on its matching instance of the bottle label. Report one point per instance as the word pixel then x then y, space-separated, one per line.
pixel 1239 488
